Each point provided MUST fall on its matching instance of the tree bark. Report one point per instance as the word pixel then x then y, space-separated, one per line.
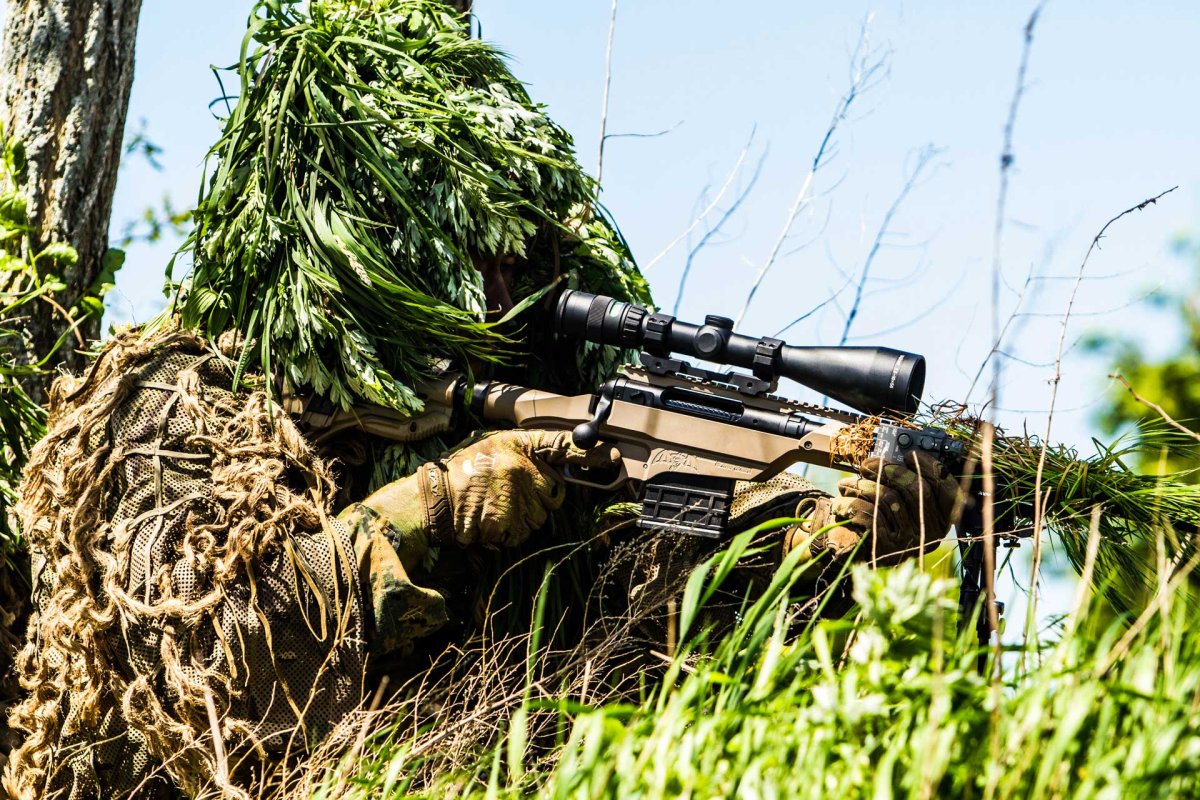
pixel 65 75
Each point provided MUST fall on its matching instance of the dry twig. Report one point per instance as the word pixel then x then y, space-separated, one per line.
pixel 733 173
pixel 1006 161
pixel 612 27
pixel 716 229
pixel 866 67
pixel 1038 497
pixel 1167 418
pixel 927 154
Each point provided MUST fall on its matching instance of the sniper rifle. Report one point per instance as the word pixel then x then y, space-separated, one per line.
pixel 686 434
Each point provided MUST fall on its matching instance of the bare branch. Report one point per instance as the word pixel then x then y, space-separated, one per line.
pixel 1006 161
pixel 926 155
pixel 639 135
pixel 814 237
pixel 1167 418
pixel 832 299
pixel 714 230
pixel 1038 499
pixel 1103 312
pixel 933 307
pixel 998 340
pixel 612 27
pixel 733 173
pixel 865 68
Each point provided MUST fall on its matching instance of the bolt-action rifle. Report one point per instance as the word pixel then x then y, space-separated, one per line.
pixel 686 434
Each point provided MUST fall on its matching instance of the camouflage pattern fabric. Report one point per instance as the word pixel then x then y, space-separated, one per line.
pixel 885 514
pixel 199 613
pixel 201 617
pixel 502 487
pixel 400 612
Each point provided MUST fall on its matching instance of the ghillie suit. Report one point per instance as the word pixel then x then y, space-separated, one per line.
pixel 201 617
pixel 377 157
pixel 196 606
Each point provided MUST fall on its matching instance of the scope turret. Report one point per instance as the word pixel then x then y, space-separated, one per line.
pixel 873 380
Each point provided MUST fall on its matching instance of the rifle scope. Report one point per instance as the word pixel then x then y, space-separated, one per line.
pixel 873 380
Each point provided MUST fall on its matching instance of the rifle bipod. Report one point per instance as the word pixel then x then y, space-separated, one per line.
pixel 1009 528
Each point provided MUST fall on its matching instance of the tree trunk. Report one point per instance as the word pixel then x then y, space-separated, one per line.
pixel 65 75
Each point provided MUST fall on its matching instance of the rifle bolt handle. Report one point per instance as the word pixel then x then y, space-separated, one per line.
pixel 586 435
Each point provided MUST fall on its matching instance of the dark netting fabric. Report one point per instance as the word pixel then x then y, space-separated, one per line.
pixel 199 616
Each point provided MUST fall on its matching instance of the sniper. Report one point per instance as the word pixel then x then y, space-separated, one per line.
pixel 223 579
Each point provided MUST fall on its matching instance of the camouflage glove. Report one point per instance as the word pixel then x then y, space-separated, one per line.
pixel 914 502
pixel 493 492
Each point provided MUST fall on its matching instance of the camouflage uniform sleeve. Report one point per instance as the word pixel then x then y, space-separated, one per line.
pixel 389 552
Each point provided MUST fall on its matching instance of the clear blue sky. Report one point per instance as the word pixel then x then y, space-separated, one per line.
pixel 1110 118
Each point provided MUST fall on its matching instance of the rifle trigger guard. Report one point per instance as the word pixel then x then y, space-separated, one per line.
pixel 607 479
pixel 586 435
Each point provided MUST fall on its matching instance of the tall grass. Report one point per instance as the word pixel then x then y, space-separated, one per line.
pixel 886 701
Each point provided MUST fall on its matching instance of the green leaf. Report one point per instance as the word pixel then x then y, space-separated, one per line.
pixel 13 209
pixel 61 256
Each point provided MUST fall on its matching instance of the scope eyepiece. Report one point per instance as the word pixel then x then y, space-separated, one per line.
pixel 873 380
pixel 600 319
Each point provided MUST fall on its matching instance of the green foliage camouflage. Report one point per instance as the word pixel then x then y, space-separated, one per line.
pixel 374 153
pixel 1172 380
pixel 1143 514
pixel 884 702
pixel 22 422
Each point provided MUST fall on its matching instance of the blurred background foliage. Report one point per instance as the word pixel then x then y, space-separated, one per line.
pixel 1166 373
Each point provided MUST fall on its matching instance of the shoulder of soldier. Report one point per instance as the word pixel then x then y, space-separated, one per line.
pixel 133 395
pixel 130 359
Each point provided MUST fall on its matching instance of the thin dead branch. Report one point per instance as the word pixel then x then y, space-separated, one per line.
pixel 1167 418
pixel 1038 497
pixel 1007 157
pixel 927 154
pixel 866 67
pixel 612 27
pixel 642 135
pixel 729 179
pixel 716 229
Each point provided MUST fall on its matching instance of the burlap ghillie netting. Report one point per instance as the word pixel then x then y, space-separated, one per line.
pixel 198 614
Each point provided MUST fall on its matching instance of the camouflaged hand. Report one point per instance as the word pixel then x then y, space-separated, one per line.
pixel 906 507
pixel 493 492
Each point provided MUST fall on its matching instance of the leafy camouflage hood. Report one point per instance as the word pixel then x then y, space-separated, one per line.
pixel 373 152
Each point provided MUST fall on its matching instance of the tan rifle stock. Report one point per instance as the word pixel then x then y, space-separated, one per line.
pixel 657 441
pixel 652 441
